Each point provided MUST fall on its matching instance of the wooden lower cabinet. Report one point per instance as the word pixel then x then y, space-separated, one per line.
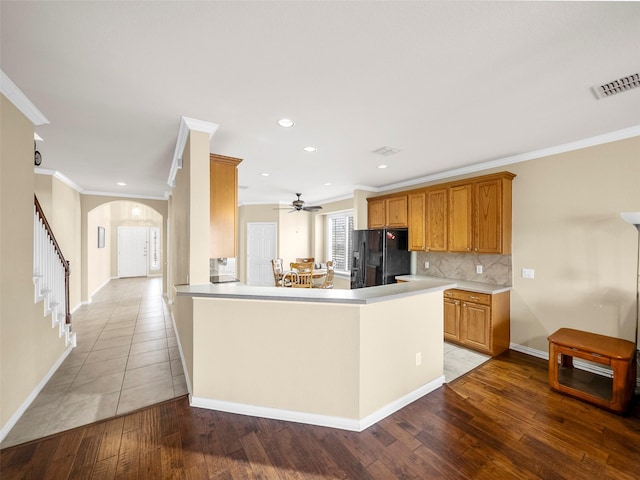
pixel 477 320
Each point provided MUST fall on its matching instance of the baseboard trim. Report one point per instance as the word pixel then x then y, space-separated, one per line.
pixel 351 424
pixel 577 363
pixel 187 377
pixel 32 396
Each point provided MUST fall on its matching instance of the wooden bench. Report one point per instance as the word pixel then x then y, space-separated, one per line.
pixel 620 355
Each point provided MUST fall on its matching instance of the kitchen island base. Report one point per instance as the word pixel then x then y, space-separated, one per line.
pixel 342 365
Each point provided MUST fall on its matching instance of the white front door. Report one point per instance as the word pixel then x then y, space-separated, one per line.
pixel 132 252
pixel 261 249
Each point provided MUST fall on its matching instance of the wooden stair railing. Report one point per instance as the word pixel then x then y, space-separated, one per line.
pixel 44 266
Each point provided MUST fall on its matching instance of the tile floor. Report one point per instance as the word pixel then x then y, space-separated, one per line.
pixel 459 360
pixel 127 357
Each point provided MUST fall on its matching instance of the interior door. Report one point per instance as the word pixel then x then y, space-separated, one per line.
pixel 132 252
pixel 261 249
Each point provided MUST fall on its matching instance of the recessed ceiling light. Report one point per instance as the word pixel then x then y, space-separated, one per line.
pixel 310 149
pixel 382 166
pixel 264 174
pixel 327 184
pixel 122 184
pixel 285 122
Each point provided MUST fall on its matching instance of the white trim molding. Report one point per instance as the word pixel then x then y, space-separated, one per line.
pixel 20 100
pixel 186 125
pixel 577 363
pixel 32 396
pixel 341 423
pixel 522 157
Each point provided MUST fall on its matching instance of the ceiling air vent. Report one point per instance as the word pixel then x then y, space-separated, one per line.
pixel 617 86
pixel 386 151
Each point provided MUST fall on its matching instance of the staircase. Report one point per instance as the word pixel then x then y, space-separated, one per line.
pixel 51 276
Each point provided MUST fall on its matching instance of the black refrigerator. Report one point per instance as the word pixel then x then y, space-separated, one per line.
pixel 378 256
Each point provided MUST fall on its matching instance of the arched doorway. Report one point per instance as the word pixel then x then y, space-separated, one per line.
pixel 110 217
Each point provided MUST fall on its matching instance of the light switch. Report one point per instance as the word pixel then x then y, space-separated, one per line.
pixel 528 273
pixel 426 264
pixel 478 268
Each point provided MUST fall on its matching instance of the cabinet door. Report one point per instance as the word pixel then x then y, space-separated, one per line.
pixel 376 216
pixel 451 319
pixel 417 221
pixel 488 216
pixel 223 206
pixel 460 218
pixel 476 326
pixel 397 212
pixel 436 227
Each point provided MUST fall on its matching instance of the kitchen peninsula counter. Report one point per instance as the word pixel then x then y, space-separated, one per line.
pixel 338 358
pixel 357 296
pixel 477 287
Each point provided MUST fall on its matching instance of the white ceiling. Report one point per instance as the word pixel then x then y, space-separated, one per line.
pixel 449 84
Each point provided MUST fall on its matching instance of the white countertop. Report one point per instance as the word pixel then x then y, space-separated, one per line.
pixel 335 295
pixel 477 287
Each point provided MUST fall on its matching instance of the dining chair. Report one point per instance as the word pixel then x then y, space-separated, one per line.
pixel 305 260
pixel 302 274
pixel 280 278
pixel 328 278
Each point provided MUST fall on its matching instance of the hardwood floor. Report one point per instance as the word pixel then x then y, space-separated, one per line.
pixel 501 421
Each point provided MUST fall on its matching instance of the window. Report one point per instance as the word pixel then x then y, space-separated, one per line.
pixel 154 248
pixel 339 230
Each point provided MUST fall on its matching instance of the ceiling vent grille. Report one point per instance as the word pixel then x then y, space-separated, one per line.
pixel 385 151
pixel 617 86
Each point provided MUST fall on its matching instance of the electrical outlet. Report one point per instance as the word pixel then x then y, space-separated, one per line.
pixel 528 273
pixel 418 359
pixel 426 264
pixel 478 268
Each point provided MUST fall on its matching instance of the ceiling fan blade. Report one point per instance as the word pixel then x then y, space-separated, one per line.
pixel 314 208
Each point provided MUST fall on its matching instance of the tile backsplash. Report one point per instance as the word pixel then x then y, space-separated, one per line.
pixel 462 266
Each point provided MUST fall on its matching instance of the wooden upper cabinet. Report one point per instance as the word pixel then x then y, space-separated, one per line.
pixel 377 215
pixel 460 218
pixel 492 215
pixel 397 212
pixel 417 221
pixel 436 220
pixel 387 212
pixel 223 222
pixel 480 215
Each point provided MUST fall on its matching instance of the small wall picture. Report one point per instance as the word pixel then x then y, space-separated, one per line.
pixel 100 237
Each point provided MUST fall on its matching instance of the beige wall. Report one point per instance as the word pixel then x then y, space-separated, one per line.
pixel 189 215
pixel 98 259
pixel 61 205
pixel 248 214
pixel 567 226
pixel 299 234
pixel 337 360
pixel 295 233
pixel 121 216
pixel 29 346
pixel 95 276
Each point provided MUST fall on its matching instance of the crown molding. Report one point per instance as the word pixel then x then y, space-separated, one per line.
pixel 522 157
pixel 20 100
pixel 123 195
pixel 56 174
pixel 79 189
pixel 186 125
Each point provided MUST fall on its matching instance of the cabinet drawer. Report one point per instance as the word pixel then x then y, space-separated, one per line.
pixel 467 296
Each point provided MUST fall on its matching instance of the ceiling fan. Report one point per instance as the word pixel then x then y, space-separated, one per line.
pixel 298 205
